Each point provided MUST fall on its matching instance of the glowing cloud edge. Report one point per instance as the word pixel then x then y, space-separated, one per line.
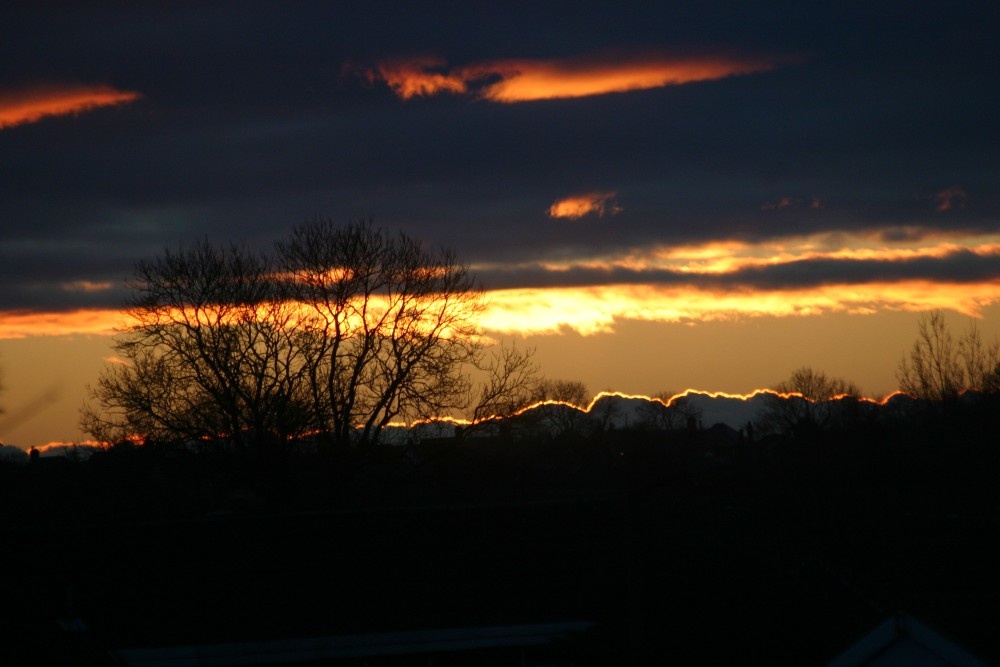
pixel 526 80
pixel 32 104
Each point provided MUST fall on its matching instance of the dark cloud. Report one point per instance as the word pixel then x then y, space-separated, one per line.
pixel 956 267
pixel 247 125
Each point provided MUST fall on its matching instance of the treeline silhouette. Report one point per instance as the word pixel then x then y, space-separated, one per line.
pixel 553 451
pixel 692 543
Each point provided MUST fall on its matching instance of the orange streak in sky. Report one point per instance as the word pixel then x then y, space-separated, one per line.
pixel 523 80
pixel 24 324
pixel 32 104
pixel 528 80
pixel 597 308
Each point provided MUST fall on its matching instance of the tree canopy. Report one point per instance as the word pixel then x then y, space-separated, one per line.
pixel 342 330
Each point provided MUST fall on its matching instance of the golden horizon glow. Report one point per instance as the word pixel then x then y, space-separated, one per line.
pixel 59 444
pixel 666 402
pixel 461 421
pixel 525 80
pixel 597 310
pixel 83 321
pixel 594 309
pixel 781 394
pixel 578 206
pixel 30 105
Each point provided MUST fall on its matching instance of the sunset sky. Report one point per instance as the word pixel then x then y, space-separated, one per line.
pixel 704 195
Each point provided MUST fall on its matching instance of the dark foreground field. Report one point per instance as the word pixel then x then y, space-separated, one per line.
pixel 639 548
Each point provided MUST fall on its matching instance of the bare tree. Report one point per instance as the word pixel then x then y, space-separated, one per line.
pixel 510 384
pixel 566 413
pixel 348 329
pixel 210 354
pixel 807 400
pixel 392 327
pixel 816 385
pixel 573 392
pixel 668 411
pixel 939 366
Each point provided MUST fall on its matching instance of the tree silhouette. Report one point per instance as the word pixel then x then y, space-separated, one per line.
pixel 346 329
pixel 560 419
pixel 211 353
pixel 939 366
pixel 669 411
pixel 510 384
pixel 390 331
pixel 806 401
pixel 573 392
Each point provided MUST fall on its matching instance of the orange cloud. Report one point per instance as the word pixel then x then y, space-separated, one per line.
pixel 415 78
pixel 32 104
pixel 580 205
pixel 523 80
pixel 949 198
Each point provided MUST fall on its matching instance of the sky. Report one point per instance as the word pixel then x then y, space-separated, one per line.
pixel 700 195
